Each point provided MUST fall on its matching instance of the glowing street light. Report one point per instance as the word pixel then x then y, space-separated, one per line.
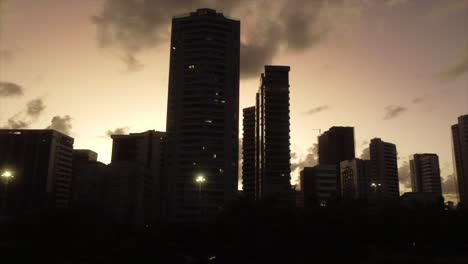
pixel 7 175
pixel 200 180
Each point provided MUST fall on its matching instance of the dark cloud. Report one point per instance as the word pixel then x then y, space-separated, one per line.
pixel 28 116
pixel 457 70
pixel 9 89
pixel 404 175
pixel 61 124
pixel 418 100
pixel 365 153
pixel 310 160
pixel 393 111
pixel 35 107
pixel 133 26
pixel 118 131
pixel 318 109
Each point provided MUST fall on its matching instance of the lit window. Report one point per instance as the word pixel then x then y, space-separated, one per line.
pixel 221 170
pixel 194 163
pixel 203 147
pixel 282 174
pixel 208 121
pixel 191 66
pixel 217 93
pixel 214 156
pixel 174 48
pixel 223 101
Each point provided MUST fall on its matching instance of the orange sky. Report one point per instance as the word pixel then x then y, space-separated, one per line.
pixel 377 54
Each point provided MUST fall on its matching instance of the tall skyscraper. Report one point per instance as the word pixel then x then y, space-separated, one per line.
pixel 41 164
pixel 248 153
pixel 355 179
pixel 202 115
pixel 460 156
pixel 425 173
pixel 272 153
pixel 335 146
pixel 384 171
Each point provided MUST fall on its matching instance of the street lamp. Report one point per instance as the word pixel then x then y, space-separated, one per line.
pixel 7 176
pixel 200 180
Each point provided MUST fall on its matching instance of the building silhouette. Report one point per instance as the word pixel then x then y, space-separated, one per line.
pixel 355 179
pixel 425 173
pixel 318 186
pixel 202 115
pixel 248 153
pixel 140 155
pixel 335 146
pixel 272 153
pixel 41 164
pixel 384 171
pixel 460 156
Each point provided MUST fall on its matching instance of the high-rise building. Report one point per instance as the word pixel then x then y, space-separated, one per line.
pixel 248 153
pixel 146 150
pixel 460 156
pixel 272 153
pixel 202 115
pixel 336 145
pixel 318 186
pixel 384 171
pixel 41 164
pixel 425 173
pixel 355 179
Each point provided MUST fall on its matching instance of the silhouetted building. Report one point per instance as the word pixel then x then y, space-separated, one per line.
pixel 422 200
pixel 146 150
pixel 460 156
pixel 84 155
pixel 384 171
pixel 318 185
pixel 425 173
pixel 336 145
pixel 202 114
pixel 272 152
pixel 41 163
pixel 129 195
pixel 89 180
pixel 248 153
pixel 355 179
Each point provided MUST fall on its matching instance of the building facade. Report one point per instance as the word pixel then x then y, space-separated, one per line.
pixel 41 164
pixel 202 115
pixel 248 153
pixel 272 153
pixel 318 186
pixel 425 173
pixel 355 179
pixel 144 152
pixel 460 156
pixel 384 171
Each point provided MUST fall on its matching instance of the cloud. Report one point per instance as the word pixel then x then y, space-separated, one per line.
pixel 457 70
pixel 118 131
pixel 393 111
pixel 404 175
pixel 9 89
pixel 449 185
pixel 26 117
pixel 365 153
pixel 61 124
pixel 35 107
pixel 418 100
pixel 134 26
pixel 310 160
pixel 318 109
pixel 393 3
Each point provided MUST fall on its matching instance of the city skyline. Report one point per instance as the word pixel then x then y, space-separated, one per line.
pixel 376 81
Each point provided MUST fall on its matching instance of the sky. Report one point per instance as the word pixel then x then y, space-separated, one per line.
pixel 394 69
